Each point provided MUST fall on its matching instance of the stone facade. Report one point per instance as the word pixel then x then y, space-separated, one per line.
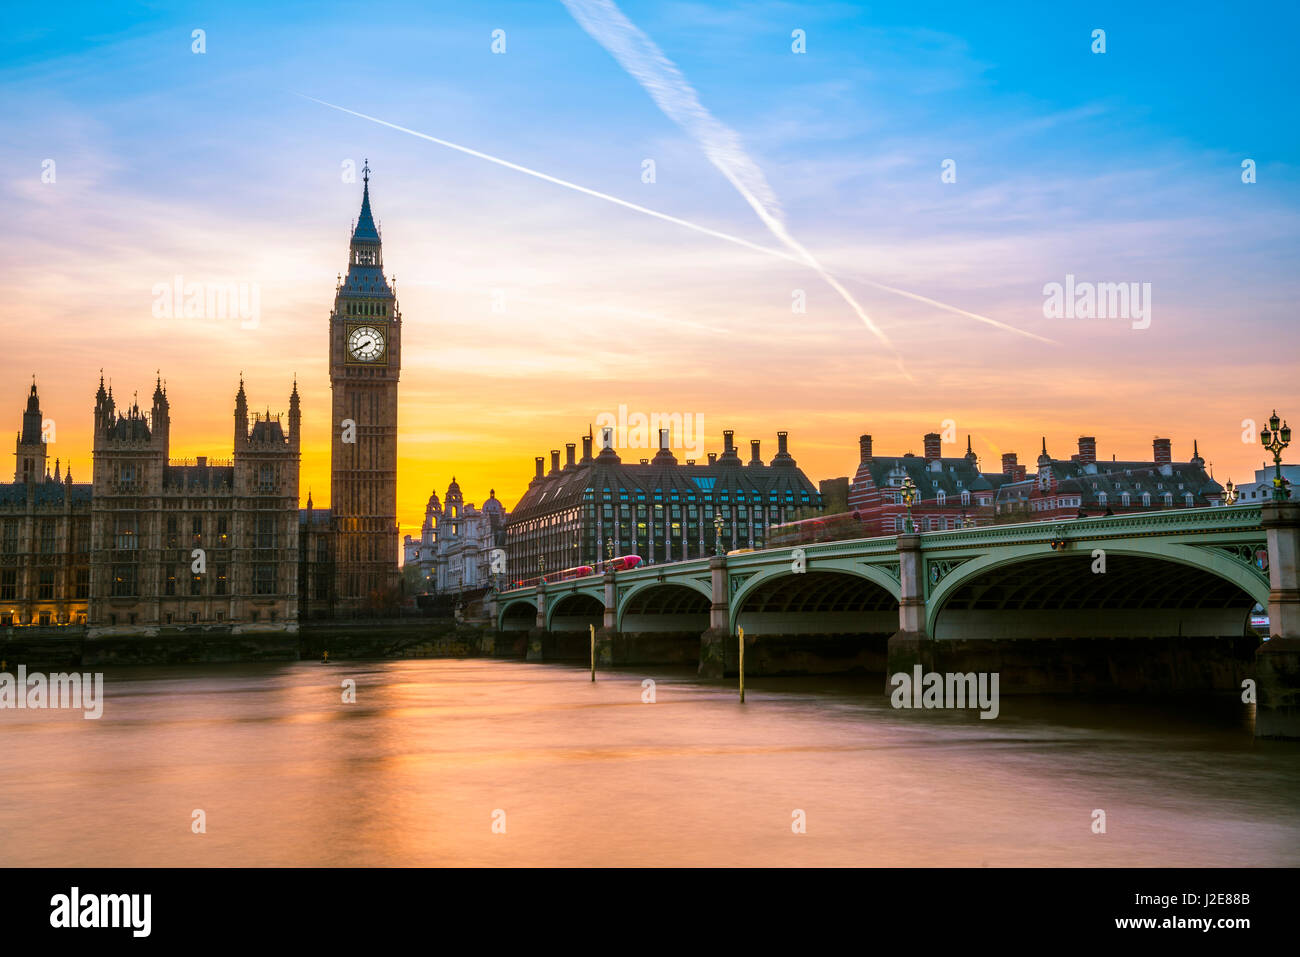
pixel 44 535
pixel 454 551
pixel 193 543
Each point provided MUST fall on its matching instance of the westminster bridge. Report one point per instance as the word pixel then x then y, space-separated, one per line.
pixel 1152 602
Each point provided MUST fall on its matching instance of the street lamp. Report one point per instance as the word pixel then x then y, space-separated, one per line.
pixel 1275 439
pixel 717 534
pixel 1230 494
pixel 609 549
pixel 541 568
pixel 909 497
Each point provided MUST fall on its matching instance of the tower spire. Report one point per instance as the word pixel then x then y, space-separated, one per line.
pixel 365 228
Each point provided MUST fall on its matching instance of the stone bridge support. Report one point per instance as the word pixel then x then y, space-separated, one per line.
pixel 713 643
pixel 609 622
pixel 911 644
pixel 538 630
pixel 1277 710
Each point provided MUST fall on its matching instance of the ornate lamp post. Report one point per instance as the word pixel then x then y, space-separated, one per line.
pixel 1275 439
pixel 609 549
pixel 541 568
pixel 1230 493
pixel 717 534
pixel 909 498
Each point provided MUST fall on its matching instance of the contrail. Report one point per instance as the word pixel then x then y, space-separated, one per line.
pixel 676 220
pixel 659 76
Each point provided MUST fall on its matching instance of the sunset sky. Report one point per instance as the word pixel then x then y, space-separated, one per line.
pixel 529 308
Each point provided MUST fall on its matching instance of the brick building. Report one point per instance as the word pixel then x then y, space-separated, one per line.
pixel 952 492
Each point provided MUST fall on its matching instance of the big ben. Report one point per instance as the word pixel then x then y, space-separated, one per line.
pixel 365 360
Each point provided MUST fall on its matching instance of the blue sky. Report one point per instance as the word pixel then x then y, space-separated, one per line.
pixel 1122 166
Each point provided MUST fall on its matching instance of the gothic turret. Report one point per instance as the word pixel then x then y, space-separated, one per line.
pixel 295 418
pixel 241 416
pixel 161 420
pixel 30 447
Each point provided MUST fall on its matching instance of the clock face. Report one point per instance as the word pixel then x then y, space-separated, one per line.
pixel 365 344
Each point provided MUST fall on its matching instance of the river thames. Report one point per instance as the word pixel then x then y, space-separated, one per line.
pixel 434 752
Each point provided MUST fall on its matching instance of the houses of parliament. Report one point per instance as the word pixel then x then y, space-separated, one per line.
pixel 153 543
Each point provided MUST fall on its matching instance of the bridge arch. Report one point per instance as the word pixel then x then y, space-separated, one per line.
pixel 517 614
pixel 771 577
pixel 840 597
pixel 575 610
pixel 670 605
pixel 1149 589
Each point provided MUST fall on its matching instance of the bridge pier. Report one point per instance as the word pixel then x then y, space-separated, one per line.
pixel 538 632
pixel 713 643
pixel 609 623
pixel 1277 662
pixel 911 645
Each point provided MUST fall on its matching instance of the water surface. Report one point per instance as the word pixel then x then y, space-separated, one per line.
pixel 588 774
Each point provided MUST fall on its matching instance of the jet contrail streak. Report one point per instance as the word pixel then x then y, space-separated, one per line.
pixel 664 82
pixel 676 220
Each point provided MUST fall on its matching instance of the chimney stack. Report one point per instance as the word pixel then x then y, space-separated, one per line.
pixel 1163 451
pixel 729 455
pixel 713 458
pixel 663 440
pixel 754 457
pixel 1087 449
pixel 933 444
pixel 1009 464
pixel 569 448
pixel 541 464
pixel 586 448
pixel 555 461
pixel 864 444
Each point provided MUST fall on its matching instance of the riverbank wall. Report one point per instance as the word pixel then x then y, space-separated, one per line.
pixel 68 647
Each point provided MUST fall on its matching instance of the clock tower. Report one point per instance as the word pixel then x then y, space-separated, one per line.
pixel 365 359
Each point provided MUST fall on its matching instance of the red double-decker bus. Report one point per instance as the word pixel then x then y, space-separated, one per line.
pixel 621 564
pixel 829 528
